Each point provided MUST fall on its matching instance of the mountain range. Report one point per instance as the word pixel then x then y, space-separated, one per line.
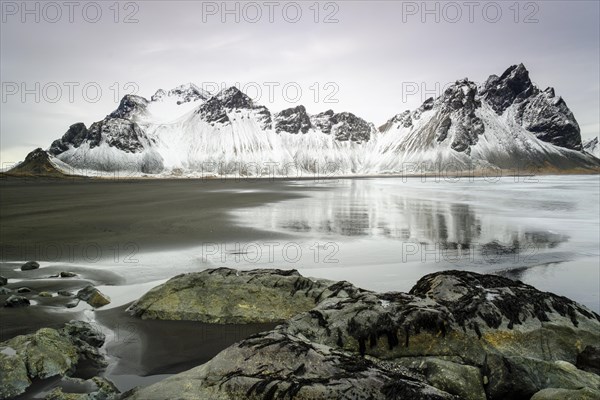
pixel 505 123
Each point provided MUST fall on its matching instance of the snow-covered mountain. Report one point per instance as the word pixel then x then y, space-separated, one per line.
pixel 505 123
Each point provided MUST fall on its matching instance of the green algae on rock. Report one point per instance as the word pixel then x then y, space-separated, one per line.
pixel 227 295
pixel 46 353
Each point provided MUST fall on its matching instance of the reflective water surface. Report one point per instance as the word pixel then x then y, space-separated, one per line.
pixel 385 233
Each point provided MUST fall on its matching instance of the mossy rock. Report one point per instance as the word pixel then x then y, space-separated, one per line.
pixel 226 295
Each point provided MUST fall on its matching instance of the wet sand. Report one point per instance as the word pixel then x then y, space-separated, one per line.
pixel 75 226
pixel 45 311
pixel 74 220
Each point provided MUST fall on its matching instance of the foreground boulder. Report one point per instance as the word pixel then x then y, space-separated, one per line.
pixel 46 353
pixel 227 295
pixel 273 365
pixel 467 335
pixel 509 331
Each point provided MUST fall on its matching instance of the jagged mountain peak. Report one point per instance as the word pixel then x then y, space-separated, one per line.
pixel 344 126
pixel 504 122
pixel 130 106
pixel 184 93
pixel 232 97
pixel 512 86
pixel 293 120
pixel 462 94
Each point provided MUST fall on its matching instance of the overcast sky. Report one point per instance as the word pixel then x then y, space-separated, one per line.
pixel 372 58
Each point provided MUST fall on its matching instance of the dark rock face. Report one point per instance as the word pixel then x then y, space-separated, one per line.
pixel 512 86
pixel 460 116
pixel 213 111
pixel 344 126
pixel 589 359
pixel 130 106
pixel 542 113
pixel 497 301
pixel 483 321
pixel 122 133
pixel 454 121
pixel 29 265
pixel 293 120
pixel 273 365
pixel 232 97
pixel 3 280
pixel 457 107
pixel 347 126
pixel 76 134
pixel 549 118
pixel 263 117
pixel 323 121
pixel 16 302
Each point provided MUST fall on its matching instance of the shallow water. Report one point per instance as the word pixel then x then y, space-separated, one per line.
pixel 385 233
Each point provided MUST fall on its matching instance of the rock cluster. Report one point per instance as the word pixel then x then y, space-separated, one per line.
pixel 455 335
pixel 47 353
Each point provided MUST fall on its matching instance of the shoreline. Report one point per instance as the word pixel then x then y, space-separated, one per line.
pixel 144 355
pixel 491 173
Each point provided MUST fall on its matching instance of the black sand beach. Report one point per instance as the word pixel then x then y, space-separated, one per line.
pixel 68 220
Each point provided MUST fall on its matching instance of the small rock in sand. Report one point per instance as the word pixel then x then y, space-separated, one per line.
pixel 16 301
pixel 29 266
pixel 93 296
pixel 66 274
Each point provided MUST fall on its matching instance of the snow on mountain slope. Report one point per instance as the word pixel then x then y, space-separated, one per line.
pixel 591 146
pixel 167 106
pixel 505 123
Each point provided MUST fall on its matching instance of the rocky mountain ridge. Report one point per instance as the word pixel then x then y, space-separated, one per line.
pixel 505 122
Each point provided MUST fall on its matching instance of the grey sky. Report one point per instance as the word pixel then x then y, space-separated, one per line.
pixel 375 56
